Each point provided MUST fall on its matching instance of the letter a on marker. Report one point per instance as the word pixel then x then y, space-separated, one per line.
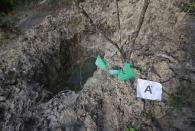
pixel 148 88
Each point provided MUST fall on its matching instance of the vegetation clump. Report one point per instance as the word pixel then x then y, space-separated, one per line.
pixel 7 15
pixel 60 3
pixel 188 6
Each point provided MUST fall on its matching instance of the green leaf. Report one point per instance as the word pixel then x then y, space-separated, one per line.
pixel 100 63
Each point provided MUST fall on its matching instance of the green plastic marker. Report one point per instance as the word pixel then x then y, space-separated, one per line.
pixel 127 69
pixel 113 72
pixel 126 73
pixel 122 76
pixel 100 63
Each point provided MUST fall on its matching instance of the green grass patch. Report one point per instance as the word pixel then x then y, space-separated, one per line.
pixel 7 17
pixel 129 129
pixel 183 97
pixel 60 4
pixel 188 6
pixel 147 115
pixel 75 21
pixel 176 101
pixel 8 5
pixel 7 21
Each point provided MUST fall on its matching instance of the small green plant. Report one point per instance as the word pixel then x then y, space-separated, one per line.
pixel 176 101
pixel 183 96
pixel 188 6
pixel 7 21
pixel 75 21
pixel 129 129
pixel 7 5
pixel 7 17
pixel 60 3
pixel 147 115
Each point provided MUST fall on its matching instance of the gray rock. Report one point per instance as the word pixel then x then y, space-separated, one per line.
pixel 34 67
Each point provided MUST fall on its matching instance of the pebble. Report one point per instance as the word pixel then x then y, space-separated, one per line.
pixel 2 99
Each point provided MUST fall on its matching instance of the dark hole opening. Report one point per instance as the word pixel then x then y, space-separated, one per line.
pixel 69 67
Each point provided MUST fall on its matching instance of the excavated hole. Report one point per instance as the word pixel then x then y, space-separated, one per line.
pixel 70 67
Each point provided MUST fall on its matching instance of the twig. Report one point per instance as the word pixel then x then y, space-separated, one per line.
pixel 118 19
pixel 126 41
pixel 85 14
pixel 118 16
pixel 140 23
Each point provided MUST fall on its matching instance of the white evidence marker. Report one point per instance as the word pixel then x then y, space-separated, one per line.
pixel 149 90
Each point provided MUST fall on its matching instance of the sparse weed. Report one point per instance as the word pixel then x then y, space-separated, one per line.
pixel 182 97
pixel 188 6
pixel 60 4
pixel 129 129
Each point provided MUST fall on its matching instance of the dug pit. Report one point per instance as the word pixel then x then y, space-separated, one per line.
pixel 69 67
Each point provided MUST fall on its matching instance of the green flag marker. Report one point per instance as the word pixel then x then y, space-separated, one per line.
pixel 100 63
pixel 126 73
pixel 113 72
pixel 122 74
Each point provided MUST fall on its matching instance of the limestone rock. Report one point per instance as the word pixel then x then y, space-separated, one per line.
pixel 35 96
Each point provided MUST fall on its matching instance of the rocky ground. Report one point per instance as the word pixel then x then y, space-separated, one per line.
pixel 38 90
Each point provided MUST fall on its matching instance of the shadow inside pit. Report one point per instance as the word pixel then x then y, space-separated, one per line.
pixel 69 67
pixel 81 73
pixel 75 78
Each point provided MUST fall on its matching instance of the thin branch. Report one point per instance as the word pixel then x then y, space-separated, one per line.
pixel 118 16
pixel 126 41
pixel 85 14
pixel 118 19
pixel 134 35
pixel 138 27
